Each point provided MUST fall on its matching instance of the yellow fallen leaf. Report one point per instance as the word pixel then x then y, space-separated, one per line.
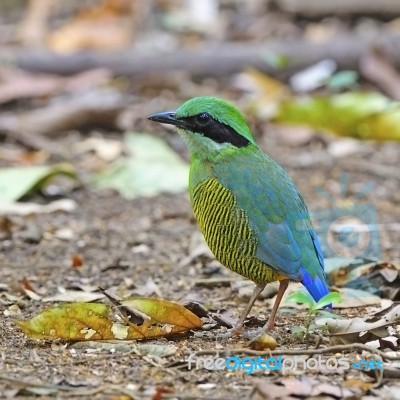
pixel 363 115
pixel 93 321
pixel 164 311
pixel 265 92
pixel 70 321
pixel 264 342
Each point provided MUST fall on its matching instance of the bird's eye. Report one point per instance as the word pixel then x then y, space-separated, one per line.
pixel 203 119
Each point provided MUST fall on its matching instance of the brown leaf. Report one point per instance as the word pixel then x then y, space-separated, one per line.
pixel 269 390
pixel 18 84
pixel 300 386
pixel 94 108
pixel 27 285
pixel 165 312
pixel 160 391
pixel 33 28
pixel 107 26
pixel 264 342
pixel 377 67
pixel 76 261
pixel 356 330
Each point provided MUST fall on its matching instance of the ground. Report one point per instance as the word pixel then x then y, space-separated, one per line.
pixel 141 247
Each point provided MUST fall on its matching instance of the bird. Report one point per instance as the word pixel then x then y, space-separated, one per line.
pixel 250 212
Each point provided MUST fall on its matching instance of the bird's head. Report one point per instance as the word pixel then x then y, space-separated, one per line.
pixel 208 125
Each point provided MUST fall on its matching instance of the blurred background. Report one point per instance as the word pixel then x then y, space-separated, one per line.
pixel 319 83
pixel 93 194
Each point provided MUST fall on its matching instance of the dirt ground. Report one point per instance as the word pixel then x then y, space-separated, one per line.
pixel 140 247
pixel 151 247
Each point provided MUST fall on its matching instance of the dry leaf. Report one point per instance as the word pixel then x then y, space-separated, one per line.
pixel 264 342
pixel 107 26
pixel 33 28
pixel 377 67
pixel 356 330
pixel 95 108
pixel 77 296
pixel 356 298
pixel 164 312
pixel 91 321
pixel 17 84
pixel 313 77
pixel 266 92
pixel 76 261
pixel 65 205
pixel 75 321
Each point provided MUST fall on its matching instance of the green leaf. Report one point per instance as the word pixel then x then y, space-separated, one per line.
pixel 328 314
pixel 312 327
pixel 17 182
pixel 296 330
pixel 152 168
pixel 363 115
pixel 342 80
pixel 71 321
pixel 299 332
pixel 93 321
pixel 332 297
pixel 301 297
pixel 275 60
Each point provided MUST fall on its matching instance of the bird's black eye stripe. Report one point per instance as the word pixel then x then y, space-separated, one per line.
pixel 203 118
pixel 218 132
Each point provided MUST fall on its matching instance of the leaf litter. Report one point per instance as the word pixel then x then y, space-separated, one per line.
pixel 84 321
pixel 150 237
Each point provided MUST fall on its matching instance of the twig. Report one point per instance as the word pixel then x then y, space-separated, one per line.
pixel 151 362
pixel 298 352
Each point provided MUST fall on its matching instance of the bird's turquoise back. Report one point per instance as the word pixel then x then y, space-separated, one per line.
pixel 249 210
pixel 254 219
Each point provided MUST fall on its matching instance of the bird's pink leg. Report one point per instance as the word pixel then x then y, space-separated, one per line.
pixel 283 284
pixel 238 328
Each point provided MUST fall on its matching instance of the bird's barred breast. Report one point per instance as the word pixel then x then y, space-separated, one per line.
pixel 227 232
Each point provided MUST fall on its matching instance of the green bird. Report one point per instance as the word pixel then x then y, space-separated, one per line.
pixel 250 212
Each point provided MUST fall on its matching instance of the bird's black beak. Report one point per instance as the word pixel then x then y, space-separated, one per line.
pixel 168 117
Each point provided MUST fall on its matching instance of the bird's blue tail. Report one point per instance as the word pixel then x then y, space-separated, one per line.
pixel 316 286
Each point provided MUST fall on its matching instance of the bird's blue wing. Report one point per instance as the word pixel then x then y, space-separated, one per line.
pixel 280 220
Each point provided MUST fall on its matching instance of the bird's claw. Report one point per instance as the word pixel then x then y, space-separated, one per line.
pixel 252 335
pixel 255 336
pixel 234 332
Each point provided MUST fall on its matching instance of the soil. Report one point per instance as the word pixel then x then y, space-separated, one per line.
pixel 130 247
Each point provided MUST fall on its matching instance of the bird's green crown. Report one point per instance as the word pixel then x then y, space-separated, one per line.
pixel 220 111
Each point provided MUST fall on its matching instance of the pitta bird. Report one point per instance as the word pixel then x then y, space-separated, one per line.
pixel 250 212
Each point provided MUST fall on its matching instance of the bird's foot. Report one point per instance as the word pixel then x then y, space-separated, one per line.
pixel 255 336
pixel 261 339
pixel 234 332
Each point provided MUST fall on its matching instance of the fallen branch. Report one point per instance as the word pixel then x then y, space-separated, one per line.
pixel 95 108
pixel 301 352
pixel 312 8
pixel 214 59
